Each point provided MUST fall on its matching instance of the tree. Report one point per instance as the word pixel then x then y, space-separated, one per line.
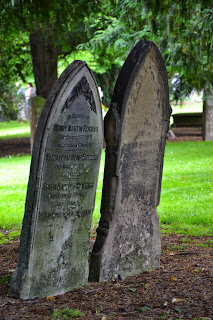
pixel 51 28
pixel 181 29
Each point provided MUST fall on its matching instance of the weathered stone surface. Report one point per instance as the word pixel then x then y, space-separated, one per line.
pixel 128 238
pixel 208 118
pixel 54 246
pixel 36 104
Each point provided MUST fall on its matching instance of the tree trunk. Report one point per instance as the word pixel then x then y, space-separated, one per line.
pixel 44 59
pixel 208 118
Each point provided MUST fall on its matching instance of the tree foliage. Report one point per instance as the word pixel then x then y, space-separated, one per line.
pixel 58 27
pixel 181 29
pixel 109 29
pixel 9 101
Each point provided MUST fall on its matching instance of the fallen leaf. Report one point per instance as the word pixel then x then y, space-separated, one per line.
pixel 173 278
pixel 196 270
pixel 50 298
pixel 144 309
pixel 176 300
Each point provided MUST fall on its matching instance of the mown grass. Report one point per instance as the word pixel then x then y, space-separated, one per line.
pixel 186 198
pixel 14 129
pixel 96 213
pixel 188 107
pixel 13 186
pixel 187 188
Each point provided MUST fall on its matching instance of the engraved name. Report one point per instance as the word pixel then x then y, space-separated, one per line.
pixel 75 214
pixel 66 195
pixel 68 157
pixel 84 128
pixel 67 186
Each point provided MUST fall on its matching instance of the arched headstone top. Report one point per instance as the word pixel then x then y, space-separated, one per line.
pixel 128 237
pixel 130 68
pixel 76 76
pixel 82 88
pixel 54 246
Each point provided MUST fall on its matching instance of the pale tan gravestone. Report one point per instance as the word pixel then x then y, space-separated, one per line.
pixel 208 119
pixel 54 244
pixel 36 104
pixel 128 237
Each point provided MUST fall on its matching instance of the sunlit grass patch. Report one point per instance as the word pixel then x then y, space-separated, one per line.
pixel 186 199
pixel 13 187
pixel 14 129
pixel 96 213
pixel 187 187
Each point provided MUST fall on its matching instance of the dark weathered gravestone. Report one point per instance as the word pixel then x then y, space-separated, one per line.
pixel 54 246
pixel 208 119
pixel 128 238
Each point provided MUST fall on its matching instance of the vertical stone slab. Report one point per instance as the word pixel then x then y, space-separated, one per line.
pixel 36 104
pixel 208 118
pixel 128 238
pixel 54 246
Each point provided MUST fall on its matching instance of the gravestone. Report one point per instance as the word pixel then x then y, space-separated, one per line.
pixel 128 238
pixel 208 118
pixel 36 104
pixel 54 245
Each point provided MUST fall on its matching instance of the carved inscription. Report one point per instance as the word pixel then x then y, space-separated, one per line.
pixel 72 158
pixel 140 182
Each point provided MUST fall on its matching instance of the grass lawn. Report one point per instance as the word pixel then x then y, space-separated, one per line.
pixel 13 185
pixel 187 188
pixel 14 129
pixel 187 107
pixel 186 197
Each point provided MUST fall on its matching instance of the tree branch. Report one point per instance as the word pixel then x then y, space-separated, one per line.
pixel 209 14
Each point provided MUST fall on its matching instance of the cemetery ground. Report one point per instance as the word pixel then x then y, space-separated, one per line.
pixel 182 288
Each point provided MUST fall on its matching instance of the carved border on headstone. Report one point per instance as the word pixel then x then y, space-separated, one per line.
pixel 81 88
